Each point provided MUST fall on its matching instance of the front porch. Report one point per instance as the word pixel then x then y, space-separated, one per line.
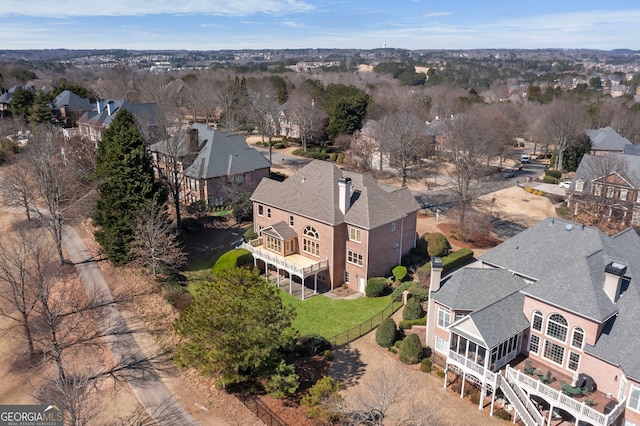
pixel 288 267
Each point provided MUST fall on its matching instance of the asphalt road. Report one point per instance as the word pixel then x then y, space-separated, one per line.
pixel 153 395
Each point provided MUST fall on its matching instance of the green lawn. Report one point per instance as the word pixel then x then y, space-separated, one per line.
pixel 328 317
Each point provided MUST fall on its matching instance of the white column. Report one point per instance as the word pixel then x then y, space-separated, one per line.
pixel 315 283
pixel 302 279
pixel 483 389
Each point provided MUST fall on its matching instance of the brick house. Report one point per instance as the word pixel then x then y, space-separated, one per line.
pixel 208 161
pixel 92 123
pixel 325 226
pixel 547 321
pixel 608 186
pixel 606 140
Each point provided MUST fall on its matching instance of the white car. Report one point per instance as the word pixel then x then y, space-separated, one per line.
pixel 565 184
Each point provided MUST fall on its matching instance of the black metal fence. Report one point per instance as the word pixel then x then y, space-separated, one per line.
pixel 364 327
pixel 261 411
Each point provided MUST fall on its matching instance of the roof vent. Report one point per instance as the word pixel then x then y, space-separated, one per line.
pixel 568 227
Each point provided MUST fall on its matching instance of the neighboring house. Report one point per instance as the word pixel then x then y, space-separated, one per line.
pixel 209 161
pixel 69 107
pixel 288 126
pixel 608 185
pixel 560 298
pixel 606 140
pixel 365 147
pixel 5 98
pixel 94 122
pixel 331 227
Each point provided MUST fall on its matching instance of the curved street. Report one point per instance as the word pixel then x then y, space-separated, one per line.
pixel 151 392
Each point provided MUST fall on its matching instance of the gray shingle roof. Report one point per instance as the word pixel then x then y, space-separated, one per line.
pixel 313 192
pixel 72 101
pixel 223 154
pixel 597 164
pixel 474 288
pixel 499 321
pixel 567 264
pixel 619 342
pixel 280 230
pixel 606 139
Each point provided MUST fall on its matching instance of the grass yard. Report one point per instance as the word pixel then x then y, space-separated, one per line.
pixel 328 317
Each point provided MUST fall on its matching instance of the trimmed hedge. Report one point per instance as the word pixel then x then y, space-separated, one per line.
pixel 415 290
pixel 426 365
pixel 550 179
pixel 377 287
pixel 386 333
pixel 399 273
pixel 553 173
pixel 437 244
pixel 410 350
pixel 407 324
pixel 232 259
pixel 413 309
pixel 450 262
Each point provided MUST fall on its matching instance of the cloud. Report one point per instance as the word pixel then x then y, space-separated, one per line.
pixel 435 14
pixel 71 8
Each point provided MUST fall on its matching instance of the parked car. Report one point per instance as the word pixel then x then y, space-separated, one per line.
pixel 510 174
pixel 566 184
pixel 525 158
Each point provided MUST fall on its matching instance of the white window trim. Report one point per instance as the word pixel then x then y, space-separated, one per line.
pixel 629 406
pixel 358 234
pixel 573 332
pixel 442 343
pixel 564 352
pixel 445 312
pixel 569 360
pixel 356 255
pixel 539 340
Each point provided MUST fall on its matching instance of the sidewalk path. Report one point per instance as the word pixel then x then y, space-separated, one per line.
pixel 153 395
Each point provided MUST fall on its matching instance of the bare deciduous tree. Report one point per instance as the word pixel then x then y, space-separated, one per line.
pixel 402 138
pixel 594 192
pixel 469 139
pixel 264 108
pixel 25 259
pixel 389 399
pixel 563 121
pixel 156 244
pixel 307 115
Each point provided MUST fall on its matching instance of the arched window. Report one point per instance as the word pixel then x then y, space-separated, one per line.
pixel 557 327
pixel 308 244
pixel 536 321
pixel 310 231
pixel 577 339
pixel 579 186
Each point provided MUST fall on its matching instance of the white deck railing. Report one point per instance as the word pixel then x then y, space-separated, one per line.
pixel 281 262
pixel 578 409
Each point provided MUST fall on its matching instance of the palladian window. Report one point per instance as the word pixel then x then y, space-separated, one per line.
pixel 557 327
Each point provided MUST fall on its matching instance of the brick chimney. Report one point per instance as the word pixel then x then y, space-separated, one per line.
pixel 613 274
pixel 344 194
pixel 192 140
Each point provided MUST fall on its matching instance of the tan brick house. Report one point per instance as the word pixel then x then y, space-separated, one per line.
pixel 326 226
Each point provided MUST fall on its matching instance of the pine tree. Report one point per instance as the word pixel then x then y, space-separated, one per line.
pixel 126 184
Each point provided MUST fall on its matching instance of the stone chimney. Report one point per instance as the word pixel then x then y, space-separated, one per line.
pixel 192 140
pixel 613 274
pixel 434 285
pixel 344 194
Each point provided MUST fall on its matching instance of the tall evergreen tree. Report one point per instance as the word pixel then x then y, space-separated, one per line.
pixel 126 184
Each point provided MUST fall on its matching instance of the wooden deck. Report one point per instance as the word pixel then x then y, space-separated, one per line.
pixel 599 400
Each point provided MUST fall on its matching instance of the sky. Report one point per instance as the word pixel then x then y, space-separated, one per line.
pixel 292 24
